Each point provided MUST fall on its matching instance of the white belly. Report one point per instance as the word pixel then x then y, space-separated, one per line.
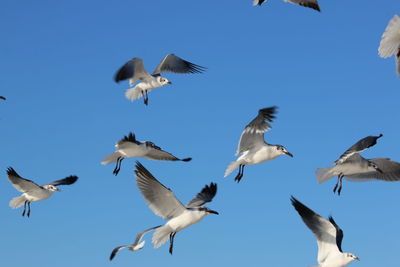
pixel 38 195
pixel 185 219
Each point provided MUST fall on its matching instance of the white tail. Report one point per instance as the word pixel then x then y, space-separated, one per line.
pixel 111 158
pixel 232 166
pixel 324 174
pixel 133 93
pixel 161 235
pixel 17 202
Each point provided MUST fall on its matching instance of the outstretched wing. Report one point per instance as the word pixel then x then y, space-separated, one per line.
pixel 21 184
pixel 306 3
pixel 390 42
pixel 253 134
pixel 358 147
pixel 339 234
pixel 156 153
pixel 133 70
pixel 324 231
pixel 172 63
pixel 160 199
pixel 66 181
pixel 390 172
pixel 206 195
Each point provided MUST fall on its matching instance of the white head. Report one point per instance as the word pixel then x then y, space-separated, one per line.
pixel 282 150
pixel 51 188
pixel 349 257
pixel 163 81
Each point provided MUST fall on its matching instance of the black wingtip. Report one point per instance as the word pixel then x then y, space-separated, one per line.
pixel 12 172
pixel 3 98
pixel 186 159
pixel 71 179
pixel 380 135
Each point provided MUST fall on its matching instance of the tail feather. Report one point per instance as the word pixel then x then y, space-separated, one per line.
pixel 17 202
pixel 232 166
pixel 324 174
pixel 134 93
pixel 161 235
pixel 111 158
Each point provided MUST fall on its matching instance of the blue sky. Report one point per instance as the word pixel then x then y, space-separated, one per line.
pixel 64 113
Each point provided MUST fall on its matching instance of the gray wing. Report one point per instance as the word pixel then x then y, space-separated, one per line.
pixel 21 184
pixel 116 250
pixel 160 199
pixel 324 231
pixel 390 171
pixel 339 234
pixel 66 181
pixel 172 63
pixel 306 3
pixel 253 134
pixel 390 41
pixel 206 195
pixel 141 234
pixel 133 70
pixel 156 153
pixel 358 147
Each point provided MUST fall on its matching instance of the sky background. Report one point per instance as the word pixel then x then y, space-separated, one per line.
pixel 64 113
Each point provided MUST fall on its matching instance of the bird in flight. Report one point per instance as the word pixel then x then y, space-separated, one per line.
pixel 329 237
pixel 162 201
pixel 252 147
pixel 129 147
pixel 33 192
pixel 134 71
pixel 306 3
pixel 390 42
pixel 352 166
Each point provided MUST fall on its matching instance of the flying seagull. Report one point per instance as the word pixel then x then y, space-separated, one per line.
pixel 163 203
pixel 306 3
pixel 32 191
pixel 134 71
pixel 355 168
pixel 136 245
pixel 252 146
pixel 329 237
pixel 129 147
pixel 390 42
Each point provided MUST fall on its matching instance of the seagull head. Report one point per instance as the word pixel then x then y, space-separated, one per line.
pixel 351 257
pixel 51 188
pixel 205 209
pixel 282 150
pixel 163 81
pixel 211 211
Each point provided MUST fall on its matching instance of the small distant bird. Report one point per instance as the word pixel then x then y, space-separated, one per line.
pixel 162 202
pixel 129 147
pixel 390 42
pixel 306 3
pixel 355 168
pixel 329 237
pixel 136 245
pixel 2 98
pixel 134 71
pixel 32 191
pixel 252 146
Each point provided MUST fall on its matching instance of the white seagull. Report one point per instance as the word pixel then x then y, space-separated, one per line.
pixel 355 168
pixel 390 42
pixel 329 237
pixel 134 71
pixel 136 245
pixel 32 191
pixel 306 3
pixel 162 202
pixel 129 147
pixel 252 146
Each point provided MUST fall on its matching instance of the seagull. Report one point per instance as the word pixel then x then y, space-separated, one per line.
pixel 136 245
pixel 390 42
pixel 134 71
pixel 252 146
pixel 329 237
pixel 129 147
pixel 306 3
pixel 163 203
pixel 355 168
pixel 32 191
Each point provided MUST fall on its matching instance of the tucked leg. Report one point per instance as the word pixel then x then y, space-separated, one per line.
pixel 171 242
pixel 145 97
pixel 340 184
pixel 118 166
pixel 29 209
pixel 240 173
pixel 23 213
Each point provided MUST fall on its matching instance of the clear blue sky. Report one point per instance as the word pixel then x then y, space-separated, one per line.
pixel 64 113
